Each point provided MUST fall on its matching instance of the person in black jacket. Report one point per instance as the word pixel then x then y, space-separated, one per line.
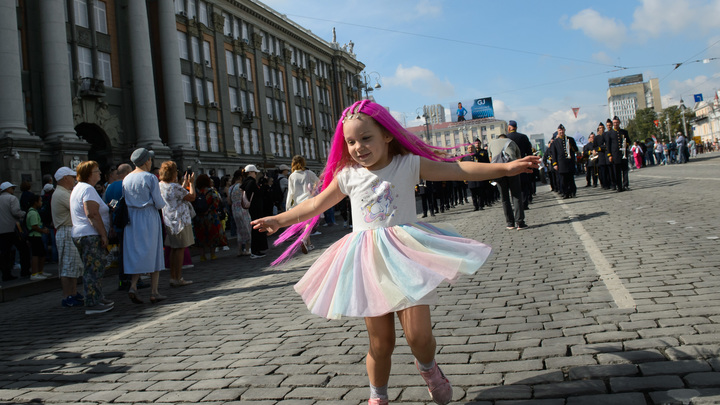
pixel 475 186
pixel 523 142
pixel 258 241
pixel 591 157
pixel 563 150
pixel 614 150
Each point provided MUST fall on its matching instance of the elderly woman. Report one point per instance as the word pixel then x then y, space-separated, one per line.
pixel 177 217
pixel 142 239
pixel 240 214
pixel 300 187
pixel 209 209
pixel 90 225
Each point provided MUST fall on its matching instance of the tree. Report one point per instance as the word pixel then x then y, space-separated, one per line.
pixel 671 120
pixel 642 126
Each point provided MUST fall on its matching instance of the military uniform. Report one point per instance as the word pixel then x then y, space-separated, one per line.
pixel 591 166
pixel 564 165
pixel 614 152
pixel 602 162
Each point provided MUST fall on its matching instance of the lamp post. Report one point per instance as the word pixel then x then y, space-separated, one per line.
pixel 366 77
pixel 427 123
pixel 682 114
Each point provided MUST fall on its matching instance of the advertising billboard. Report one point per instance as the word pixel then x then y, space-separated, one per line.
pixel 466 110
pixel 621 81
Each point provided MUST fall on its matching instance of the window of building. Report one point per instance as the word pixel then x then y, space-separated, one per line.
pixel 210 92
pixel 187 88
pixel 191 11
pixel 233 97
pixel 273 150
pixel 286 138
pixel 190 130
pixel 202 136
pixel 248 70
pixel 255 145
pixel 100 17
pixel 236 28
pixel 203 13
pixel 206 53
pixel 227 25
pixel 81 14
pixel 85 63
pixel 199 91
pixel 230 62
pixel 183 45
pixel 195 49
pixel 246 140
pixel 237 140
pixel 105 68
pixel 214 144
pixel 179 6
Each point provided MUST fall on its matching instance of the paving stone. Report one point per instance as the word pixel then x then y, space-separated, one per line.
pixel 533 377
pixel 628 384
pixel 674 367
pixel 703 380
pixel 500 392
pixel 569 388
pixel 602 371
pixel 615 399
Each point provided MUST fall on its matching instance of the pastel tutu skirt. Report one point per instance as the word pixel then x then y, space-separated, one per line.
pixel 374 272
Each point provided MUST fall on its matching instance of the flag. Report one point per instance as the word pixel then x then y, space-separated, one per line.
pixel 698 98
pixel 656 122
pixel 575 111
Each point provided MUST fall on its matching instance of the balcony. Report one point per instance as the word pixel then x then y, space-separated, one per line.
pixel 91 87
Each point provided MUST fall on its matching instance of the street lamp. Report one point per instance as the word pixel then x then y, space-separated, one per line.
pixel 366 77
pixel 682 113
pixel 427 123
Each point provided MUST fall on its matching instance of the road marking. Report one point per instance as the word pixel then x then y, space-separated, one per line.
pixel 244 283
pixel 675 178
pixel 617 290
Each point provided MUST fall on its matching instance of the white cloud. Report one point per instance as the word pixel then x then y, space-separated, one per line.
pixel 602 29
pixel 428 8
pixel 602 57
pixel 657 17
pixel 685 89
pixel 421 80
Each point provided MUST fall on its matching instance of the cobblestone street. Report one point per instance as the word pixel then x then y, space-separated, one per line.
pixel 607 298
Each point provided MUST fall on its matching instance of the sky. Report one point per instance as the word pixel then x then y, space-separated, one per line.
pixel 536 59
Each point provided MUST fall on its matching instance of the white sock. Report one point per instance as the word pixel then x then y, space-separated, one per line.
pixel 426 367
pixel 379 392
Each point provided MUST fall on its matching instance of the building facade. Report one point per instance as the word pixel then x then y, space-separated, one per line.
pixel 435 113
pixel 211 84
pixel 453 135
pixel 706 124
pixel 628 94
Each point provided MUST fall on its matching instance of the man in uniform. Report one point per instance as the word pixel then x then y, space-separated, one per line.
pixel 616 155
pixel 523 142
pixel 602 161
pixel 563 151
pixel 591 157
pixel 474 186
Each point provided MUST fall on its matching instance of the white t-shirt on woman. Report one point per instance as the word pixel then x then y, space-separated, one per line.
pixel 81 224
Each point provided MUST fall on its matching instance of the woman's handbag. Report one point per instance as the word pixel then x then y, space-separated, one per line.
pixel 245 203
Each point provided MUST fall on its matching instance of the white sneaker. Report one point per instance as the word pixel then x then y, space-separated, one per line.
pixel 37 277
pixel 226 247
pixel 316 233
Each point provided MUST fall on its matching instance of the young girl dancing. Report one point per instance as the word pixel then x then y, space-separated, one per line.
pixel 390 263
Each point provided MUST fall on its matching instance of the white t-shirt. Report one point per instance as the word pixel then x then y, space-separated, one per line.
pixel 300 186
pixel 382 198
pixel 81 224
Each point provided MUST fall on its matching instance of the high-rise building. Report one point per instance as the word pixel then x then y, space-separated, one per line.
pixel 435 113
pixel 452 135
pixel 628 94
pixel 209 83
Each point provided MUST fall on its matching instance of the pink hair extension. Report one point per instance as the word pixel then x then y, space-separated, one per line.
pixel 339 157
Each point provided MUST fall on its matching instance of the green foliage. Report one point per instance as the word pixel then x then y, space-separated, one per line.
pixel 671 122
pixel 642 126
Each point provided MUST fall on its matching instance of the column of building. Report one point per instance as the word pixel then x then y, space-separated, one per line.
pixel 147 133
pixel 12 110
pixel 172 78
pixel 57 96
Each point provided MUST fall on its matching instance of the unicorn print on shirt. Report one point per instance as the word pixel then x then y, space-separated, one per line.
pixel 380 202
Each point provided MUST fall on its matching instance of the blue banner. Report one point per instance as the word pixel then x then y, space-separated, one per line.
pixel 472 109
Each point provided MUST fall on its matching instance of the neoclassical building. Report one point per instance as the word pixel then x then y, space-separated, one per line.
pixel 211 84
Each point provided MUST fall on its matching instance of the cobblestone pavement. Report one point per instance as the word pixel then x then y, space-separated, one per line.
pixel 608 298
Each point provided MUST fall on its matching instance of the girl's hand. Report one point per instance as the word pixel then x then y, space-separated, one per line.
pixel 266 224
pixel 524 165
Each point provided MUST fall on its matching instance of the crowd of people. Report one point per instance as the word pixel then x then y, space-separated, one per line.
pixel 143 219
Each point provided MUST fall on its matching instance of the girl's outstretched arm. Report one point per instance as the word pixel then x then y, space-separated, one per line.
pixel 473 171
pixel 305 210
